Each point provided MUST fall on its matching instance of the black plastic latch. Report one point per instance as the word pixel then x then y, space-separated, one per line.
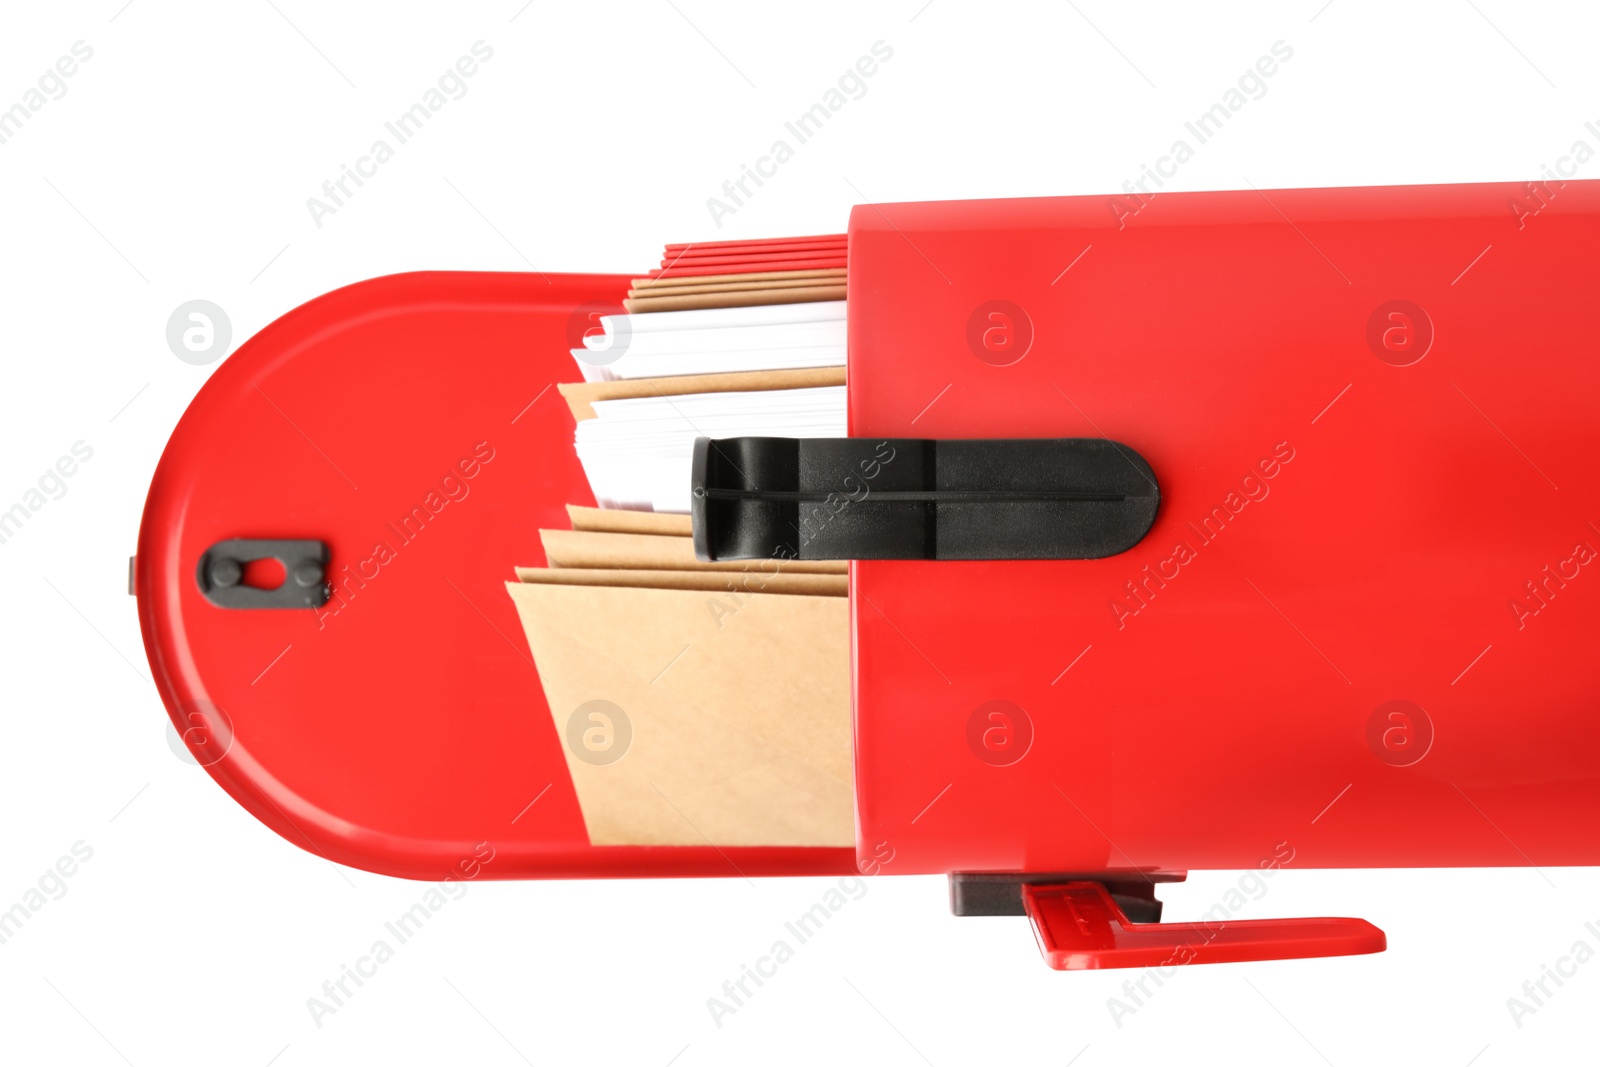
pixel 221 574
pixel 905 498
pixel 1001 894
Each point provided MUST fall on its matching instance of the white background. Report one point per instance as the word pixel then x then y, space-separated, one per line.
pixel 177 166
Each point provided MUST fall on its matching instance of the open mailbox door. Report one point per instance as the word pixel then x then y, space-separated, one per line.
pixel 405 436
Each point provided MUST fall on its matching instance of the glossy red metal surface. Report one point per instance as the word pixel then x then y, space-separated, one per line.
pixel 1363 625
pixel 1357 635
pixel 402 727
pixel 1079 927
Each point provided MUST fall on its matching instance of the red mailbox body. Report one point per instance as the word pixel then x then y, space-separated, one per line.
pixel 1360 628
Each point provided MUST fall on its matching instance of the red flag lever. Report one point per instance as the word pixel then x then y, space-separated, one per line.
pixel 1079 927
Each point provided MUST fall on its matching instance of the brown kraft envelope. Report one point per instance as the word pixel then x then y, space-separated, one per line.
pixel 622 520
pixel 747 298
pixel 580 396
pixel 739 582
pixel 734 726
pixel 582 548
